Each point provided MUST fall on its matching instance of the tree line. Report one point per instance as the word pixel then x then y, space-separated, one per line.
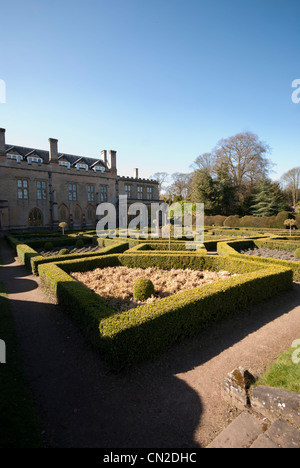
pixel 234 179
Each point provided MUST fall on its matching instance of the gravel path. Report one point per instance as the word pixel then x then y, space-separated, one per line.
pixel 173 402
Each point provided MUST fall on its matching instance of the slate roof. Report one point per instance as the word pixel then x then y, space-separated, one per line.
pixel 71 158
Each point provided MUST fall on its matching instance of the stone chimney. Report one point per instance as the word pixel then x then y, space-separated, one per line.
pixel 2 141
pixel 136 173
pixel 113 160
pixel 53 151
pixel 104 156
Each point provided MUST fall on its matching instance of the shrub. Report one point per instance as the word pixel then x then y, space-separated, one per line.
pixel 48 246
pixel 232 221
pixel 246 221
pixel 143 289
pixel 79 244
pixel 297 253
pixel 26 253
pixel 208 220
pixel 280 218
pixel 63 226
pixel 290 223
pixel 63 252
pixel 218 220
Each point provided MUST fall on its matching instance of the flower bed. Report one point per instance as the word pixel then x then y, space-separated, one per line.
pixel 116 284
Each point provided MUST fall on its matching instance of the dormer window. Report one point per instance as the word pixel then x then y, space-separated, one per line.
pixel 16 157
pixel 65 164
pixel 32 159
pixel 99 168
pixel 82 166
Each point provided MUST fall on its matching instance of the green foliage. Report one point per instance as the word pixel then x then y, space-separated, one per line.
pixel 283 373
pixel 48 246
pixel 268 200
pixel 217 194
pixel 26 254
pixel 143 289
pixel 218 220
pixel 63 252
pixel 204 190
pixel 232 221
pixel 297 253
pixel 79 244
pixel 231 249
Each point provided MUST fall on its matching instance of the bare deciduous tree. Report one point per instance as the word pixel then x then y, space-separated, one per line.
pixel 245 156
pixel 181 186
pixel 162 179
pixel 205 161
pixel 291 182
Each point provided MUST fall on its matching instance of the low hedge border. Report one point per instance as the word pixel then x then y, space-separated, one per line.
pixel 26 254
pixel 116 247
pixel 143 333
pixel 163 248
pixel 279 244
pixel 232 249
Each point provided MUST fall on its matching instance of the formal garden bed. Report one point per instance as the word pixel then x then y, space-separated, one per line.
pixel 144 332
pixel 271 253
pixel 67 250
pixel 116 284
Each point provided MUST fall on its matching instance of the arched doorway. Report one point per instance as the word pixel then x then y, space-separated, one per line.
pixel 77 216
pixel 35 218
pixel 63 214
pixel 90 216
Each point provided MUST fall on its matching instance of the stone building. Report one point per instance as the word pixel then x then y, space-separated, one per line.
pixel 39 189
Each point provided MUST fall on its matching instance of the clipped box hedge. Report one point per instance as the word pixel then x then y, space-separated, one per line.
pixel 232 249
pixel 278 244
pixel 162 248
pixel 145 332
pixel 26 254
pixel 113 248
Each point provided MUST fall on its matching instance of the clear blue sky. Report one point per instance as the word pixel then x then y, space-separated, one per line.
pixel 160 81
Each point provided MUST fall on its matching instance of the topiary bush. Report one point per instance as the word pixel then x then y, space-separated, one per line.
pixel 143 289
pixel 63 252
pixel 232 221
pixel 297 253
pixel 79 244
pixel 48 246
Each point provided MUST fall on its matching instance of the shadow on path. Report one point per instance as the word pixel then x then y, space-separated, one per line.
pixel 83 405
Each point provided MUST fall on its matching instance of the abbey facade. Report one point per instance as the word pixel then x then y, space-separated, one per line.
pixel 39 189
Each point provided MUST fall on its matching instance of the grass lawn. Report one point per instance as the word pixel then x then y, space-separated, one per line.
pixel 19 423
pixel 283 373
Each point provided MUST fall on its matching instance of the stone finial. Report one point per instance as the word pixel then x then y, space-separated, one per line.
pixel 235 387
